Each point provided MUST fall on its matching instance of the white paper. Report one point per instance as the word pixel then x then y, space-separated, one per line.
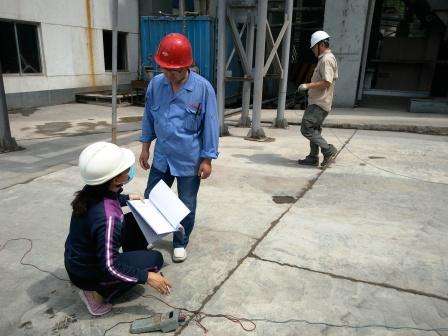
pixel 168 204
pixel 159 215
pixel 149 213
pixel 149 233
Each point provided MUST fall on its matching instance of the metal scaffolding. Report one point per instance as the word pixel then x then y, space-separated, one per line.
pixel 251 15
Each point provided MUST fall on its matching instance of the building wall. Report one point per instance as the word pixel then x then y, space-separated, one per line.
pixel 71 47
pixel 345 21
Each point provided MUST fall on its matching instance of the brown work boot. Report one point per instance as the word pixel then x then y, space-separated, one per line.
pixel 329 156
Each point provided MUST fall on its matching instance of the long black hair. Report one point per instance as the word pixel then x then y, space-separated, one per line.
pixel 87 196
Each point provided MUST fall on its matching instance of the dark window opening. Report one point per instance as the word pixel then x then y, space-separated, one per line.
pixel 19 52
pixel 403 48
pixel 308 17
pixel 121 50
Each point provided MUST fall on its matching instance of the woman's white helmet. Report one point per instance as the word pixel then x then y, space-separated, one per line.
pixel 318 36
pixel 102 161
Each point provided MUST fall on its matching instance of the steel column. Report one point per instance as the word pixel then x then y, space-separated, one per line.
pixel 257 131
pixel 280 120
pixel 250 34
pixel 221 63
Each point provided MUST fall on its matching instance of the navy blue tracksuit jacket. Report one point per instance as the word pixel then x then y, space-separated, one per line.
pixel 93 243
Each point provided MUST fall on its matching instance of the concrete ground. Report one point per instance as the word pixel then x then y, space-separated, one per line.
pixel 53 136
pixel 375 119
pixel 300 251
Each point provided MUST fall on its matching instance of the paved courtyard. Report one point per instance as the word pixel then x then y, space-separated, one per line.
pixel 351 250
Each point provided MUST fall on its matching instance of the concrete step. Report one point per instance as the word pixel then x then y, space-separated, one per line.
pixel 104 97
pixel 430 105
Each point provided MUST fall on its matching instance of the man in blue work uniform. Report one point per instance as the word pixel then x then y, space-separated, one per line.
pixel 181 113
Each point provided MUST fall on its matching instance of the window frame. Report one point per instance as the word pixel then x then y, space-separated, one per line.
pixel 37 25
pixel 126 52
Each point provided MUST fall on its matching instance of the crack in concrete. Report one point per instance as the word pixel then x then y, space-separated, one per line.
pixel 344 277
pixel 308 187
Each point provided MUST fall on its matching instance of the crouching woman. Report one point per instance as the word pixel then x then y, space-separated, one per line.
pixel 98 229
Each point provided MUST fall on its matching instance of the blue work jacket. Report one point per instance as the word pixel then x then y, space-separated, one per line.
pixel 185 124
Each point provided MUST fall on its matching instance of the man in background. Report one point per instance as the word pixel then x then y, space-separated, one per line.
pixel 320 99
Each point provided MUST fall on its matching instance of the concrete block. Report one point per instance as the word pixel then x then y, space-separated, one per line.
pixel 429 106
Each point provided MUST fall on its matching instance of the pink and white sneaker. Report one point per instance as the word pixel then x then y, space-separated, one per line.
pixel 95 308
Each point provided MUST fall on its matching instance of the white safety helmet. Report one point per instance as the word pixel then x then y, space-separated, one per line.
pixel 102 161
pixel 318 36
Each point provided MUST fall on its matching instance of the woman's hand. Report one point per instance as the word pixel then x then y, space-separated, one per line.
pixel 135 197
pixel 159 283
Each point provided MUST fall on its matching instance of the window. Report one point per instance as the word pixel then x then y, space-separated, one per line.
pixel 399 19
pixel 19 53
pixel 122 60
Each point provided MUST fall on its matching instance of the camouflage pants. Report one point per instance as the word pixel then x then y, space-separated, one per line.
pixel 311 129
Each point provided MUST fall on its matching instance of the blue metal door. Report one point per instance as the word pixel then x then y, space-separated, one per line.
pixel 199 30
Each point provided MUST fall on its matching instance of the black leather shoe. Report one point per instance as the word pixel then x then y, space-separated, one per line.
pixel 309 161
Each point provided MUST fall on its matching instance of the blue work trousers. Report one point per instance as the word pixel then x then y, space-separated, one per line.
pixel 187 188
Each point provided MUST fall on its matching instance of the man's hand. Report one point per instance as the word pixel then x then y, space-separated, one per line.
pixel 205 169
pixel 303 88
pixel 144 155
pixel 159 283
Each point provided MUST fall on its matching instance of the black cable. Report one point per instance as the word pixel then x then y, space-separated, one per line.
pixel 26 253
pixel 347 147
pixel 240 320
pixel 117 324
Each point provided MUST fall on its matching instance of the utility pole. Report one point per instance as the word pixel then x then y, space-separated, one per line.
pixel 114 69
pixel 7 143
pixel 220 82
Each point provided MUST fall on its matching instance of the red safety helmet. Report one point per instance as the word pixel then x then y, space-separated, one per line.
pixel 174 52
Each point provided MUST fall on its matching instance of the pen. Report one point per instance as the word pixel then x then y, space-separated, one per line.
pixel 198 109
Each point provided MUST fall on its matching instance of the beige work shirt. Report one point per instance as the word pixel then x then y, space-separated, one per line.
pixel 327 70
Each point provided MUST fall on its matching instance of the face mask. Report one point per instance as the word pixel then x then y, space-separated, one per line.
pixel 131 174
